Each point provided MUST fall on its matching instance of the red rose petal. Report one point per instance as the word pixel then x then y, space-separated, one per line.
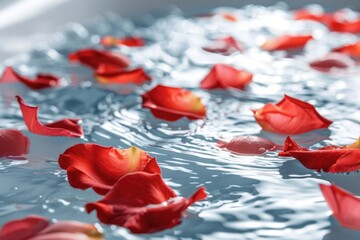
pixel 229 17
pixel 224 76
pixel 38 228
pixel 347 27
pixel 304 14
pixel 328 159
pixel 290 116
pixel 108 75
pixel 286 42
pixel 291 145
pixel 65 127
pixel 333 161
pixel 332 61
pixel 344 205
pixel 111 41
pixel 226 46
pixel 99 167
pixel 339 23
pixel 13 144
pixel 353 50
pixel 251 145
pixel 138 199
pixel 171 103
pixel 72 230
pixel 94 58
pixel 23 229
pixel 41 81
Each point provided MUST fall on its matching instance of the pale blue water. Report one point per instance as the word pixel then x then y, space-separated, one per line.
pixel 250 197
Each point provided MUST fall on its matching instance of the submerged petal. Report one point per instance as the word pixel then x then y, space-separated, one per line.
pixel 332 61
pixel 248 145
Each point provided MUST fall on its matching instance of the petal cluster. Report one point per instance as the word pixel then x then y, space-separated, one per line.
pixel 143 203
pixel 130 179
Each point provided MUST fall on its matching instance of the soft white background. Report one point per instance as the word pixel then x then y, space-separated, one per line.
pixel 23 22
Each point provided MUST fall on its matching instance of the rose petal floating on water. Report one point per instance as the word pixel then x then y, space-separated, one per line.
pixel 224 76
pixel 291 145
pixel 98 167
pixel 290 116
pixel 38 228
pixel 333 159
pixel 332 61
pixel 339 23
pixel 230 17
pixel 41 80
pixel 143 203
pixel 225 46
pixel 109 75
pixel 13 144
pixel 344 205
pixel 304 14
pixel 111 41
pixel 248 145
pixel 66 127
pixel 352 50
pixel 171 103
pixel 336 21
pixel 286 42
pixel 93 58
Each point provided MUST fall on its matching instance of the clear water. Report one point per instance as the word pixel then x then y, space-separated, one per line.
pixel 250 197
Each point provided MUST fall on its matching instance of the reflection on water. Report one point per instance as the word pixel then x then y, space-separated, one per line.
pixel 250 197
